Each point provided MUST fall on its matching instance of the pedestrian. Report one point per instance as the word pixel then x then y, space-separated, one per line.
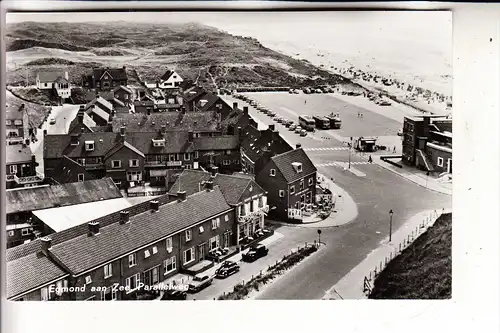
pixel 361 114
pixel 370 159
pixel 394 150
pixel 305 102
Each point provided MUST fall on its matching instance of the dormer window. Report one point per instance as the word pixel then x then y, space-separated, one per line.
pixel 297 166
pixel 158 142
pixel 89 145
pixel 272 172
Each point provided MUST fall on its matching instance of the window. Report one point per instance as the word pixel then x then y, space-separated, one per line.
pixel 272 172
pixel 282 193
pixel 226 162
pixel 80 161
pixel 132 282
pixel 169 265
pixel 134 163
pixel 25 231
pixel 155 250
pixel 116 163
pixel 228 152
pixel 44 294
pixel 113 294
pixel 81 177
pixel 171 157
pixel 131 260
pixel 177 157
pixel 251 206
pixel 310 182
pixel 188 235
pixel 88 279
pixel 186 157
pixel 215 223
pixel 189 256
pixel 201 229
pixel 169 244
pixel 11 233
pixel 302 184
pixel 299 168
pixel 108 271
pixel 125 96
pixel 196 154
pixel 13 169
pixel 188 166
pixel 89 145
pixel 147 254
pixel 261 202
pixel 226 218
pixel 440 161
pixel 214 242
pixel 292 189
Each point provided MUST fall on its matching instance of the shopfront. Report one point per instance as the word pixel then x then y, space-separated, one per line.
pixel 250 224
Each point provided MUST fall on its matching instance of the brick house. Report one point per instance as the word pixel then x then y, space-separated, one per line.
pixel 290 180
pixel 123 94
pixel 145 106
pixel 427 143
pixel 99 110
pixel 17 234
pixel 141 245
pixel 21 166
pixel 220 151
pixel 248 199
pixel 105 78
pixel 70 171
pixel 82 123
pixel 17 125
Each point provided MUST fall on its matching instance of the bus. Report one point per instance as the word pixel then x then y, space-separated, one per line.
pixel 322 122
pixel 335 121
pixel 307 122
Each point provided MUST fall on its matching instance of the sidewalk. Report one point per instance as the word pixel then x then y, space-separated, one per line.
pixel 351 285
pixel 416 176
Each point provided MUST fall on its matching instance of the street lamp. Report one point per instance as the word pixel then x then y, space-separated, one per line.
pixel 390 225
pixel 427 178
pixel 350 145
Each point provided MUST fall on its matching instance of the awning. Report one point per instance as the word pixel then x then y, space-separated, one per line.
pixel 158 173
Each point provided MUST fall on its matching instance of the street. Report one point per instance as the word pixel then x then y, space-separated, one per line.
pixel 375 194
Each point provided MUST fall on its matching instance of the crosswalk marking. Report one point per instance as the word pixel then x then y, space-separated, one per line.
pixel 323 149
pixel 341 164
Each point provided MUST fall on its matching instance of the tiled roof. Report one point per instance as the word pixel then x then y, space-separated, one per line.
pixel 30 272
pixel 119 146
pixel 231 186
pixel 122 88
pixel 87 121
pixel 168 106
pixel 209 100
pixel 100 101
pixel 17 154
pixel 189 121
pixel 99 112
pixel 116 73
pixel 66 171
pixel 61 79
pixel 217 142
pixel 57 238
pixel 85 252
pixel 267 140
pixel 193 93
pixel 167 75
pixel 49 76
pixel 284 164
pixel 34 198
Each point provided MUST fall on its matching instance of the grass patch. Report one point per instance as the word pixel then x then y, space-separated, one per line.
pixel 422 270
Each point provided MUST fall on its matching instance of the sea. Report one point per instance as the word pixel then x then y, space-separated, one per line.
pixel 415 47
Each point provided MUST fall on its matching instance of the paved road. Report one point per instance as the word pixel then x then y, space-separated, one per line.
pixel 375 194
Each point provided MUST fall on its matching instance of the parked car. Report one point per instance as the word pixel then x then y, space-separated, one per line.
pixel 226 269
pixel 255 252
pixel 253 103
pixel 264 110
pixel 52 120
pixel 279 119
pixel 290 91
pixel 287 123
pixel 271 114
pixel 200 282
pixel 318 91
pixel 298 129
pixel 172 294
pixel 296 91
pixel 303 132
pixel 292 127
pixel 306 91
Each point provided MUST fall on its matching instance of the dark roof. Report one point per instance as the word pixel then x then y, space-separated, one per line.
pixel 237 118
pixel 167 75
pixel 284 164
pixel 122 88
pixel 144 103
pixel 266 141
pixel 189 121
pixel 61 79
pixel 249 134
pixel 193 93
pixel 85 252
pixel 87 121
pixel 49 76
pixel 233 187
pixel 29 272
pixel 17 154
pixel 121 145
pixel 209 100
pixel 15 112
pixel 65 171
pixel 217 142
pixel 116 73
pixel 35 198
pixel 168 106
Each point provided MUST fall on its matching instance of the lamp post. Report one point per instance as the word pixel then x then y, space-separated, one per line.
pixel 427 178
pixel 350 145
pixel 390 225
pixel 319 236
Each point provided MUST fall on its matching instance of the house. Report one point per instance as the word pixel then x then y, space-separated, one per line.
pixel 145 106
pixel 47 80
pixel 99 110
pixel 122 94
pixel 248 199
pixel 69 171
pixel 290 181
pixel 105 78
pixel 82 123
pixel 191 96
pixel 21 166
pixel 258 146
pixel 212 102
pixel 17 125
pixel 165 107
pixel 427 143
pixel 236 118
pixel 220 151
pixel 169 80
pixel 18 234
pixel 61 88
pixel 145 245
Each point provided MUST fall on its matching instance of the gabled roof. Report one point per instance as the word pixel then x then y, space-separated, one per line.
pixel 284 165
pixel 189 121
pixel 17 154
pixel 266 141
pixel 217 142
pixel 167 75
pixel 87 122
pixel 193 93
pixel 119 146
pixel 98 112
pixel 34 198
pixel 66 169
pixel 122 88
pixel 233 187
pixel 237 118
pixel 85 252
pixel 116 73
pixel 61 79
pixel 49 76
pixel 31 271
pixel 209 100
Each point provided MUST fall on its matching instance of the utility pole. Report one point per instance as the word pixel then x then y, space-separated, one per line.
pixel 350 146
pixel 390 225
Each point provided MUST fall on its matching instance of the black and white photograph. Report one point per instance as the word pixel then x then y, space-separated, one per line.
pixel 228 156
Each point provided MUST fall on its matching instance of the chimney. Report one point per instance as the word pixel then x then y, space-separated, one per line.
pixel 181 196
pixel 215 170
pixel 245 110
pixel 235 106
pixel 124 216
pixel 155 205
pixel 66 75
pixel 93 228
pixel 298 146
pixel 163 129
pixel 46 245
pixel 209 186
pixel 271 127
pixel 122 134
pixel 80 116
pixel 190 136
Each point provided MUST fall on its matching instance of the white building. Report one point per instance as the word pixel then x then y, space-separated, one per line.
pixel 54 80
pixel 170 80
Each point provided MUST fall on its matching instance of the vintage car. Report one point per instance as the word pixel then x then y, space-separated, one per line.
pixel 199 282
pixel 226 269
pixel 255 252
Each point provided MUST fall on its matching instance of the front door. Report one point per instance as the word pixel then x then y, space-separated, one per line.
pixel 449 165
pixel 201 252
pixel 226 240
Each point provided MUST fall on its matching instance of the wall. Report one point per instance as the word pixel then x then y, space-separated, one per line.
pixel 124 154
pixel 295 197
pixel 434 154
pixel 272 185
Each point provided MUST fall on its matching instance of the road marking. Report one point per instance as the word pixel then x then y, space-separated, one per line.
pixel 323 149
pixel 342 163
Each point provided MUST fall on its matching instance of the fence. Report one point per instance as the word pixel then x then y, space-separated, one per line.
pixel 398 249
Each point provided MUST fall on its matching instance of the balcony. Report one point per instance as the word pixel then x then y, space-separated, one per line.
pixel 154 163
pixel 93 166
pixel 38 177
pixel 247 216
